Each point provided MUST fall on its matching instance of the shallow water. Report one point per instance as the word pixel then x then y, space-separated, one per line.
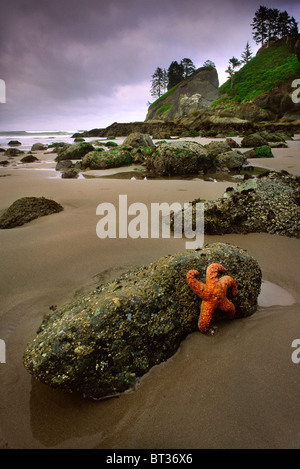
pixel 272 295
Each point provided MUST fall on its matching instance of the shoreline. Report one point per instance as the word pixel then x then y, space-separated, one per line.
pixel 235 389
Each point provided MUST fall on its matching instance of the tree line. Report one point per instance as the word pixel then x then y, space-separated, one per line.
pixel 163 80
pixel 268 24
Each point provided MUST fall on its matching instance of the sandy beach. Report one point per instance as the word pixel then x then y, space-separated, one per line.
pixel 236 389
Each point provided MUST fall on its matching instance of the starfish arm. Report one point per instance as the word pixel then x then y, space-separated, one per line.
pixel 228 282
pixel 227 306
pixel 212 272
pixel 194 284
pixel 206 312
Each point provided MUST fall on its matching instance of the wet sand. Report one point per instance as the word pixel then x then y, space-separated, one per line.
pixel 236 389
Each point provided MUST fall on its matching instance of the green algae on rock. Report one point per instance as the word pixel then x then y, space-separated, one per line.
pixel 100 344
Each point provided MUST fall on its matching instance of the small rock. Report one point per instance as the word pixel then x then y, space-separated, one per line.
pixel 29 159
pixel 38 147
pixel 26 209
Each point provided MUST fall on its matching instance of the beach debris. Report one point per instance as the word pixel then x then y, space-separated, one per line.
pixel 213 294
pixel 101 343
pixel 27 209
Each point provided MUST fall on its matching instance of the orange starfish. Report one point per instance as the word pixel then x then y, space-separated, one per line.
pixel 213 293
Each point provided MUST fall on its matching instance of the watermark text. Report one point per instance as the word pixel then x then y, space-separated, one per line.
pixel 2 351
pixel 158 225
pixel 296 353
pixel 2 91
pixel 296 92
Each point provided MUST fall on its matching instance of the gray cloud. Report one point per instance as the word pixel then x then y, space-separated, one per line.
pixel 74 64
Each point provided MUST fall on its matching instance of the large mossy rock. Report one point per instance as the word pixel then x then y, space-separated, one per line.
pixel 104 159
pixel 100 344
pixel 76 151
pixel 179 158
pixel 27 209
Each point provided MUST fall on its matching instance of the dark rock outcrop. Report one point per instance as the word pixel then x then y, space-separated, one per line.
pixel 99 345
pixel 29 159
pixel 27 209
pixel 124 129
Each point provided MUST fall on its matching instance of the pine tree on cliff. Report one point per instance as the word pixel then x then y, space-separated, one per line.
pixel 271 23
pixel 188 67
pixel 284 24
pixel 175 74
pixel 159 82
pixel 294 32
pixel 247 54
pixel 233 64
pixel 259 25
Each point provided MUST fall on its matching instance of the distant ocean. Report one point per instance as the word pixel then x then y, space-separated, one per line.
pixel 28 138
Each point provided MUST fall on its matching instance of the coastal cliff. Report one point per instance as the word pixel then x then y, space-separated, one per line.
pixel 195 92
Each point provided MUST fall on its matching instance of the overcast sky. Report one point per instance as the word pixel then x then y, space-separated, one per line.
pixel 74 64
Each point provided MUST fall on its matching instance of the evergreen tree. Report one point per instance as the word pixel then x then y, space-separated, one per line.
pixel 175 74
pixel 233 64
pixel 159 82
pixel 247 54
pixel 294 28
pixel 209 63
pixel 284 24
pixel 188 67
pixel 259 25
pixel 272 23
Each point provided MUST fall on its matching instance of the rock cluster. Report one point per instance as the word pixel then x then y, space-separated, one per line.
pixel 101 343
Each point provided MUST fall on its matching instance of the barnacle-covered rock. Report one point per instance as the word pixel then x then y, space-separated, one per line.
pixel 102 343
pixel 269 203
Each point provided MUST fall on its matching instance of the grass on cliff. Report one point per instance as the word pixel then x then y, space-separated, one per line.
pixel 271 68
